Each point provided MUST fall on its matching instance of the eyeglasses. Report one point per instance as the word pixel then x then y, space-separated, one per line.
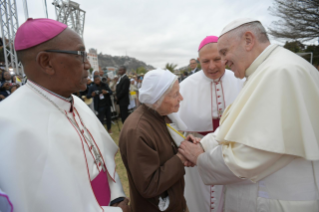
pixel 83 54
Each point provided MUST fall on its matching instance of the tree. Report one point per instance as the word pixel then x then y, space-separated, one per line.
pixel 299 19
pixel 141 70
pixel 315 50
pixel 294 46
pixel 298 47
pixel 171 67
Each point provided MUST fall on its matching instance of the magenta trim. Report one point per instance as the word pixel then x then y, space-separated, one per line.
pixel 6 196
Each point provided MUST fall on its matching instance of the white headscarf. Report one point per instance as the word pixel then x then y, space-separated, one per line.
pixel 155 84
pixel 93 74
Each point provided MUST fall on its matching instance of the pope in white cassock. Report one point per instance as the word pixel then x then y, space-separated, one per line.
pixel 206 95
pixel 54 153
pixel 266 149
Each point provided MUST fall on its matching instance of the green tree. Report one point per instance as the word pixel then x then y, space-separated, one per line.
pixel 141 70
pixel 294 46
pixel 315 50
pixel 298 47
pixel 170 66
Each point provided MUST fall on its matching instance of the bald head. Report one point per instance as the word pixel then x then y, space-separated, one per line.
pixel 59 72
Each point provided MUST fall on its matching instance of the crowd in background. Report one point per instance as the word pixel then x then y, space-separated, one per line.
pixel 8 84
pixel 108 98
pixel 111 98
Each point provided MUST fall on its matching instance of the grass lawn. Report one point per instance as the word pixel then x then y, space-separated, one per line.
pixel 120 168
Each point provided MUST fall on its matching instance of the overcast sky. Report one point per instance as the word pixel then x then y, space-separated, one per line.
pixel 155 31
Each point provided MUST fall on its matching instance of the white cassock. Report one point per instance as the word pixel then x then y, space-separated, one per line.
pixel 266 150
pixel 204 102
pixel 45 160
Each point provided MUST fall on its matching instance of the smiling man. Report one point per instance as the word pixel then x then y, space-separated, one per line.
pixel 266 150
pixel 55 155
pixel 206 95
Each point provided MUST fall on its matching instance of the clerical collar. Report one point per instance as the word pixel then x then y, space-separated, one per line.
pixel 69 99
pixel 254 65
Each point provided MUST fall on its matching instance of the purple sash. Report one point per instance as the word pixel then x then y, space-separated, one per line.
pixel 101 189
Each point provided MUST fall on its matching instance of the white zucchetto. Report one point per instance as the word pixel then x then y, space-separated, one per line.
pixel 155 84
pixel 237 23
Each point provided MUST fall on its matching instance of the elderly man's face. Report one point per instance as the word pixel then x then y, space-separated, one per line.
pixel 233 54
pixel 192 64
pixel 71 71
pixel 171 101
pixel 210 61
pixel 7 75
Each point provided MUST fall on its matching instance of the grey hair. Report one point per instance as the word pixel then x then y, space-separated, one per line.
pixel 255 27
pixel 159 102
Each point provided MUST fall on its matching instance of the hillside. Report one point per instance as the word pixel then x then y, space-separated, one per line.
pixel 117 61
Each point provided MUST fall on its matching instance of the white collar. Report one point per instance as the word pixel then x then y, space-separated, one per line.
pixel 263 52
pixel 64 103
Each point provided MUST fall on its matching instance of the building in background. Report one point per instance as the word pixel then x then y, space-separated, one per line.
pixel 111 71
pixel 93 59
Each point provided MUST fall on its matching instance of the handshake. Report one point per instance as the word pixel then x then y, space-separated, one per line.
pixel 189 150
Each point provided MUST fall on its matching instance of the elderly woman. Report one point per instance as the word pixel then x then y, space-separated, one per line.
pixel 155 168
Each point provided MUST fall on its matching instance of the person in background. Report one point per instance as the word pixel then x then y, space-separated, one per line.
pixel 155 169
pixel 7 78
pixel 133 95
pixel 13 88
pixel 5 90
pixel 184 76
pixel 193 65
pixel 123 92
pixel 101 94
pixel 55 155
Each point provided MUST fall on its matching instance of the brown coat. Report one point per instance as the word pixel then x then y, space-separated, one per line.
pixel 153 169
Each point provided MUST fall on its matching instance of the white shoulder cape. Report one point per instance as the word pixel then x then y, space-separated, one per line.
pixel 196 108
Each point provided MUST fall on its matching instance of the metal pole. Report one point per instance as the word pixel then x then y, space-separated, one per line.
pixel 25 6
pixel 311 57
pixel 17 26
pixel 45 8
pixel 3 10
pixel 13 15
pixel 8 17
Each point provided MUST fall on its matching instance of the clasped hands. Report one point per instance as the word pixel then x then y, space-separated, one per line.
pixel 189 150
pixel 123 205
